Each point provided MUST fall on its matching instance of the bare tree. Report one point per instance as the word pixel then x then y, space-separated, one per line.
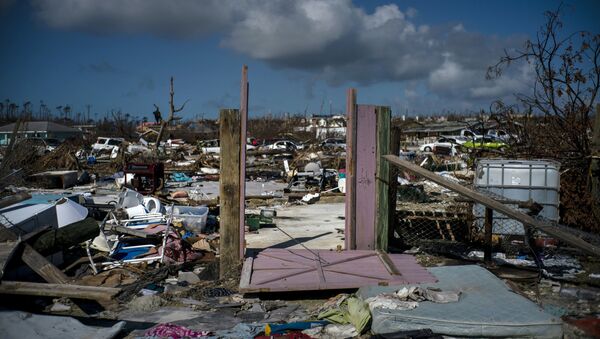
pixel 567 80
pixel 172 117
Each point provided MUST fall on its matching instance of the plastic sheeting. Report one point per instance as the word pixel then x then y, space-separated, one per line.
pixel 487 308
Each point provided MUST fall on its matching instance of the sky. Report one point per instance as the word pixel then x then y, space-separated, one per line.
pixel 420 57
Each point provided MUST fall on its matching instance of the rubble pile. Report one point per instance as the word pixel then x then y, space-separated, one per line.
pixel 119 232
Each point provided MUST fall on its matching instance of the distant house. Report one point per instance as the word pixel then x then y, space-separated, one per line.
pixel 38 129
pixel 325 126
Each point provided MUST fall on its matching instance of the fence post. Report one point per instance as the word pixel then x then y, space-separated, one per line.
pixel 244 92
pixel 487 252
pixel 229 190
pixel 382 177
pixel 350 227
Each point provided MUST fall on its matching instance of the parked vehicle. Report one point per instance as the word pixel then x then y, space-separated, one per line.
pixel 213 146
pixel 485 143
pixel 334 143
pixel 43 146
pixel 468 134
pixel 502 135
pixel 104 144
pixel 285 145
pixel 449 142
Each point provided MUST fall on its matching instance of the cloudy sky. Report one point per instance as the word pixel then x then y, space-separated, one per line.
pixel 419 57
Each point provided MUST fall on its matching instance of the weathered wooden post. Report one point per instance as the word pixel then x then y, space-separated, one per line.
pixel 382 176
pixel 395 136
pixel 350 228
pixel 229 192
pixel 487 236
pixel 244 91
pixel 367 182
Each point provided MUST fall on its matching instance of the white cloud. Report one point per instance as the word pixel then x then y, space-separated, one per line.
pixel 335 40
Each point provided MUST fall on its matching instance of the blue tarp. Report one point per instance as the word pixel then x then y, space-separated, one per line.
pixel 487 308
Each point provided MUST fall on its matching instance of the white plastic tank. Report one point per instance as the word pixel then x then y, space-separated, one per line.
pixel 518 180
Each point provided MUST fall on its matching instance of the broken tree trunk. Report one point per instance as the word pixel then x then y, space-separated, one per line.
pixel 172 117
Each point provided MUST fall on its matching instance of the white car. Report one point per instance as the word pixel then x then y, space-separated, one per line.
pixel 334 143
pixel 213 146
pixel 106 144
pixel 443 142
pixel 285 145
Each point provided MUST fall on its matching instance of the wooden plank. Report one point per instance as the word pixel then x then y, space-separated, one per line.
pixel 382 206
pixel 58 290
pixel 244 92
pixel 493 204
pixel 366 167
pixel 7 249
pixel 43 267
pixel 350 224
pixel 320 272
pixel 487 237
pixel 246 272
pixel 229 191
pixel 388 263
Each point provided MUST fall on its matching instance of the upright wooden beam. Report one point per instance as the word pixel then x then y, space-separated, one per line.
pixel 527 220
pixel 487 234
pixel 366 169
pixel 395 137
pixel 244 91
pixel 382 205
pixel 350 227
pixel 229 192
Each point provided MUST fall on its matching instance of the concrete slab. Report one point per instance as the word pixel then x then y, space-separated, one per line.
pixel 314 226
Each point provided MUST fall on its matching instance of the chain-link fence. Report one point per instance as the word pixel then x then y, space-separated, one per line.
pixel 427 212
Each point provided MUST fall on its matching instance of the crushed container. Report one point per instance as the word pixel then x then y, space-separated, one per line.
pixel 192 217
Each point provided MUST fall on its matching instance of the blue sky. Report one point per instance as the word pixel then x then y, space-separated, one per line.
pixel 419 57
